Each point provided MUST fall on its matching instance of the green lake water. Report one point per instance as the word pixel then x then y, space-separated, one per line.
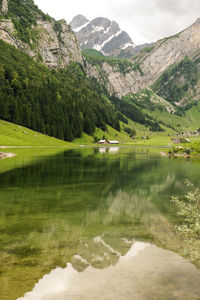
pixel 93 224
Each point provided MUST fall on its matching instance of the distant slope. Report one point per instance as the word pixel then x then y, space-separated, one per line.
pixel 173 120
pixel 151 62
pixel 180 84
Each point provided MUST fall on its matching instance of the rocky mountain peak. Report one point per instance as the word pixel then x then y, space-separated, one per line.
pixel 103 35
pixel 78 21
pixel 151 63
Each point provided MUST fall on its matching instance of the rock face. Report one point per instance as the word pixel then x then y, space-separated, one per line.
pixel 78 21
pixel 4 7
pixel 152 64
pixel 56 44
pixel 57 49
pixel 103 35
pixel 117 83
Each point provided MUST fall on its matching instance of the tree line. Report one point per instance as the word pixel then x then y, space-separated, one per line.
pixel 60 103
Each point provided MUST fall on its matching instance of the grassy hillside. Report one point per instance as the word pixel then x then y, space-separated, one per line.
pixel 92 52
pixel 110 134
pixel 180 83
pixel 172 119
pixel 16 135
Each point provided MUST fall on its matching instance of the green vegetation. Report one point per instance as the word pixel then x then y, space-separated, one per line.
pixel 68 105
pixel 177 81
pixel 122 65
pixel 16 135
pixel 191 149
pixel 131 132
pixel 140 56
pixel 164 113
pixel 61 103
pixel 188 208
pixel 109 134
pixel 130 110
pixel 92 52
pixel 23 14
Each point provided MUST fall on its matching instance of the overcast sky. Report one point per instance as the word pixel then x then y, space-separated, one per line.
pixel 144 20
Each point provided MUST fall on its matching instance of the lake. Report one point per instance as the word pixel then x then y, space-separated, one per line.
pixel 94 223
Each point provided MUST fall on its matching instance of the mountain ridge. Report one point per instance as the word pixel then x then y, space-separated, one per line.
pixel 151 62
pixel 103 35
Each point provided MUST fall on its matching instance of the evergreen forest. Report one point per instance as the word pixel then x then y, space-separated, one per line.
pixel 60 103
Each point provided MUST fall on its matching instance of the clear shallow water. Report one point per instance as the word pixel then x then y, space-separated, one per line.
pixel 90 209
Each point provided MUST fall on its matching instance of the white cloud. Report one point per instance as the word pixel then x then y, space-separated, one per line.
pixel 144 20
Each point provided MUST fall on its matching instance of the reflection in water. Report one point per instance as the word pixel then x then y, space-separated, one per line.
pixel 111 150
pixel 102 150
pixel 145 272
pixel 53 210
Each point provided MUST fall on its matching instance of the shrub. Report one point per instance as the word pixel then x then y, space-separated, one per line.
pixel 189 208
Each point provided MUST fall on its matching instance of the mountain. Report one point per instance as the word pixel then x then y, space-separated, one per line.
pixel 49 85
pixel 103 35
pixel 143 69
pixel 27 28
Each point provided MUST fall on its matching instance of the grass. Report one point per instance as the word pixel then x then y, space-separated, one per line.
pixel 15 135
pixel 190 149
pixel 92 52
pixel 112 134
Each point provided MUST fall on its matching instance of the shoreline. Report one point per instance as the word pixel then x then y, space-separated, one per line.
pixel 184 155
pixel 89 146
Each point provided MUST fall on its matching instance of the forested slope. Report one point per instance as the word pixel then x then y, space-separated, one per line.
pixel 61 103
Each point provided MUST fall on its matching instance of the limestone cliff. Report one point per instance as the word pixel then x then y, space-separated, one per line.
pixel 4 6
pixel 50 42
pixel 152 62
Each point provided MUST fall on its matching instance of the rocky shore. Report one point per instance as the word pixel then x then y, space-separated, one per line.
pixel 173 154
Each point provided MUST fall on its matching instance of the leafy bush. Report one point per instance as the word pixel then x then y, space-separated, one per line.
pixel 192 149
pixel 189 209
pixel 130 131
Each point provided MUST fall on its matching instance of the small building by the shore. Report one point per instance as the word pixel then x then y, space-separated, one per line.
pixel 113 142
pixel 102 142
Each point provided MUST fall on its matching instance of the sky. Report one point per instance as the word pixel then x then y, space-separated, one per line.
pixel 144 20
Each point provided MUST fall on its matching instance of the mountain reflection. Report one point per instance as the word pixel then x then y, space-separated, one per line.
pixel 53 210
pixel 144 272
